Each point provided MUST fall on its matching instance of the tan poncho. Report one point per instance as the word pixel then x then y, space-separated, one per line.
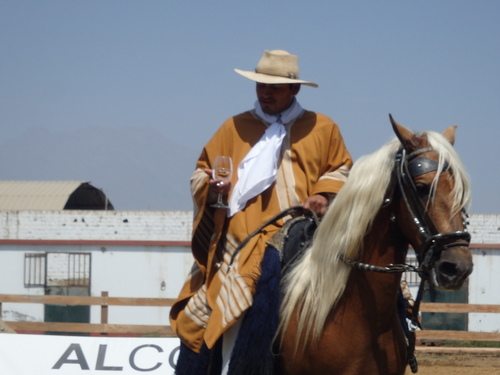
pixel 314 160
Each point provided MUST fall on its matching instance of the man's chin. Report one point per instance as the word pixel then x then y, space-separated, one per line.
pixel 269 110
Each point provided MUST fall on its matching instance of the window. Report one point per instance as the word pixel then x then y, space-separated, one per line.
pixel 34 269
pixel 68 269
pixel 78 269
pixel 57 269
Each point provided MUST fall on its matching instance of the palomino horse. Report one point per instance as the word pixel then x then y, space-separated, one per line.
pixel 340 319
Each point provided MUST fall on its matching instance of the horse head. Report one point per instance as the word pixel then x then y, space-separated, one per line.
pixel 435 192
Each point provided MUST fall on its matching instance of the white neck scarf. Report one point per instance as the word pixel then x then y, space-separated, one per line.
pixel 257 171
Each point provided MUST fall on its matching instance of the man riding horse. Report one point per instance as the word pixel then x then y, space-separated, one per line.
pixel 285 156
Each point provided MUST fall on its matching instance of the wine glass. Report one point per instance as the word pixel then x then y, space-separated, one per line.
pixel 222 169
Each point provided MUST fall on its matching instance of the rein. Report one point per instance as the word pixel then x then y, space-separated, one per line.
pixel 295 210
pixel 390 268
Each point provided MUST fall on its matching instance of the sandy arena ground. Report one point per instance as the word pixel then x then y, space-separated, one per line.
pixel 479 362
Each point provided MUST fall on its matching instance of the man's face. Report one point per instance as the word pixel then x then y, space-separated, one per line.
pixel 274 99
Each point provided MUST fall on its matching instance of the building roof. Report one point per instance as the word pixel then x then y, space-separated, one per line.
pixel 52 195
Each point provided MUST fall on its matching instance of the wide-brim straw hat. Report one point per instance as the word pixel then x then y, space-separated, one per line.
pixel 276 67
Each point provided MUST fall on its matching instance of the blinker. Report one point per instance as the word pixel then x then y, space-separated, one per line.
pixel 422 165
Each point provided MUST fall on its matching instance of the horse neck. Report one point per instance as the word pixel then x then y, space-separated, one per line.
pixel 383 245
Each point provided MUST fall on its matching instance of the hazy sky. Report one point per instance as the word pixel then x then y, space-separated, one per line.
pixel 168 65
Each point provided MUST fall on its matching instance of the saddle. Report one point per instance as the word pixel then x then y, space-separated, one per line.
pixel 293 239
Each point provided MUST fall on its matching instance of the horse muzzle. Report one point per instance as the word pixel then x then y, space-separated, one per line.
pixel 452 268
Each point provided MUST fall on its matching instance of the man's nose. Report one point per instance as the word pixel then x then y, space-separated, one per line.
pixel 267 91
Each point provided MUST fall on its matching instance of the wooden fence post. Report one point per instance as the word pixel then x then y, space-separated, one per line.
pixel 104 312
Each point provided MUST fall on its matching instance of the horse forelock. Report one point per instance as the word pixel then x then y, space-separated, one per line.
pixel 448 158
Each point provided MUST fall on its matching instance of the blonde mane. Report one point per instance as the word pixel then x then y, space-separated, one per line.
pixel 315 284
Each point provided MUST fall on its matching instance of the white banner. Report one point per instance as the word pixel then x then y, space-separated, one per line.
pixel 22 354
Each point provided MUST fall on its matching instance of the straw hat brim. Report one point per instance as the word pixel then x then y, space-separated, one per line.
pixel 270 79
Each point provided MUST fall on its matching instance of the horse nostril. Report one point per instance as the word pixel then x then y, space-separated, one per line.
pixel 448 269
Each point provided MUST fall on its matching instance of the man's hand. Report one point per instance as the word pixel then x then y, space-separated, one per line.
pixel 217 186
pixel 317 203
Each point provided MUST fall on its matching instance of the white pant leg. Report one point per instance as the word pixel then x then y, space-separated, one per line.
pixel 228 342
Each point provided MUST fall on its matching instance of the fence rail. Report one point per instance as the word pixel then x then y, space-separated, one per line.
pixel 105 328
pixel 442 335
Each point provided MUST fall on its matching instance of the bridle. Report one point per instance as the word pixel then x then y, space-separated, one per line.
pixel 432 243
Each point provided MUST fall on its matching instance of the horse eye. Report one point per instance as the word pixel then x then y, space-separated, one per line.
pixel 423 190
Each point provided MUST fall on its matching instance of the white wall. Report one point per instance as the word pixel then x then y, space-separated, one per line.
pixel 12 282
pixel 123 271
pixel 132 253
pixel 96 225
pixel 483 289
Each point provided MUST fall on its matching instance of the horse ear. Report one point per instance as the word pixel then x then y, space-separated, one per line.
pixel 449 134
pixel 404 135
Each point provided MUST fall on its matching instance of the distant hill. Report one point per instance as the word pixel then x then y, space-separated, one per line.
pixel 137 168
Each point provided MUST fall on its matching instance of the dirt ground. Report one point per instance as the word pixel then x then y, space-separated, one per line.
pixel 457 364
